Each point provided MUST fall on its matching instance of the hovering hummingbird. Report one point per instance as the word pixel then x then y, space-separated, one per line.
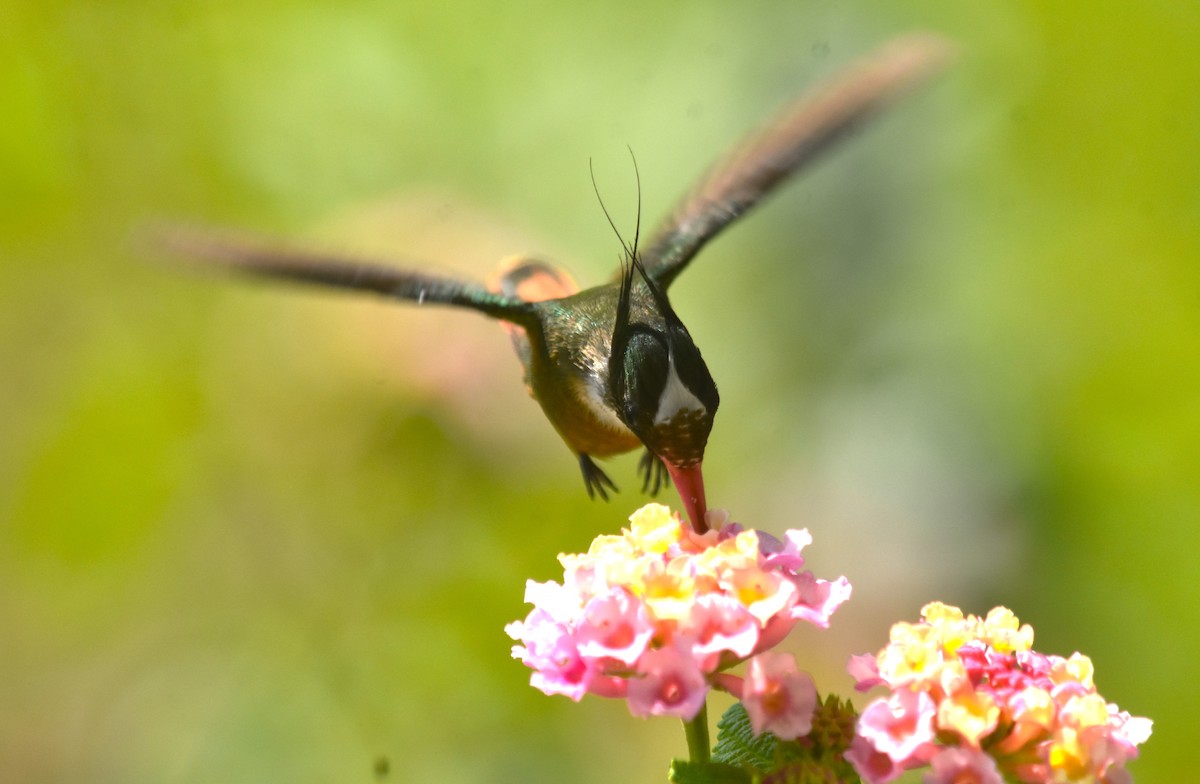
pixel 613 367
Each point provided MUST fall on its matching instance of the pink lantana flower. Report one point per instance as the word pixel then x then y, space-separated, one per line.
pixel 722 624
pixel 988 695
pixel 872 765
pixel 962 766
pixel 818 599
pixel 659 613
pixel 553 655
pixel 900 726
pixel 614 627
pixel 668 683
pixel 864 672
pixel 778 697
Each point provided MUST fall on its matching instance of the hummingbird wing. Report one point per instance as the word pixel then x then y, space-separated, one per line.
pixel 797 135
pixel 260 257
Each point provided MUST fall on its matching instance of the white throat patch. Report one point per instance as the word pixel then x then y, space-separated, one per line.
pixel 675 398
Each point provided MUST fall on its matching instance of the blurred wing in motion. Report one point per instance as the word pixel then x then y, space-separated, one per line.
pixel 800 133
pixel 258 257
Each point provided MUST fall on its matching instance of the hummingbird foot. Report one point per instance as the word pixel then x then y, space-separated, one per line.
pixel 594 478
pixel 653 471
pixel 690 484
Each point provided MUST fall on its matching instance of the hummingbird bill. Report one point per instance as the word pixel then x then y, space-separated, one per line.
pixel 612 366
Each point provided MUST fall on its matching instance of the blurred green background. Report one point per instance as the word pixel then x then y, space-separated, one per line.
pixel 253 534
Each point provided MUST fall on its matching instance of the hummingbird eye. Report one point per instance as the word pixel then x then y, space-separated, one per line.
pixel 645 370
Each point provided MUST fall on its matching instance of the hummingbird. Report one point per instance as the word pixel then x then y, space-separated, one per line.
pixel 612 366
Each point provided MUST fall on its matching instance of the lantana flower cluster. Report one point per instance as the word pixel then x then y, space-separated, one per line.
pixel 973 700
pixel 656 615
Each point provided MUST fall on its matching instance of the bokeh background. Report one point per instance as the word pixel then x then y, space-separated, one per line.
pixel 252 534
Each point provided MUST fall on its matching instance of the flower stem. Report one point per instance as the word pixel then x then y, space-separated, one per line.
pixel 696 731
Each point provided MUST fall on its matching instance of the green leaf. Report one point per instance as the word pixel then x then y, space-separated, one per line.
pixel 814 759
pixel 737 744
pixel 807 772
pixel 685 772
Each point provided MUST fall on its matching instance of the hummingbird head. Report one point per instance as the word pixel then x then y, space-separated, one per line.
pixel 664 393
pixel 659 385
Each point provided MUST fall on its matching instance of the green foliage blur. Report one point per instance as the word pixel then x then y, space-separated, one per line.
pixel 252 534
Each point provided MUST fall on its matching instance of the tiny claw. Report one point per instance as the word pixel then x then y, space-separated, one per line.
pixel 594 479
pixel 653 471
